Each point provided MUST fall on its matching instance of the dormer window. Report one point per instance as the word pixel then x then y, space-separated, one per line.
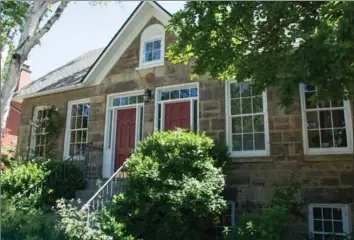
pixel 152 51
pixel 152 46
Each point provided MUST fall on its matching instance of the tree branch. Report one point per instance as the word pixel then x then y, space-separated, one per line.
pixel 48 25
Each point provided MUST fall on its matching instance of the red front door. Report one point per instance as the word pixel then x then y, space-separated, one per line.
pixel 125 135
pixel 177 115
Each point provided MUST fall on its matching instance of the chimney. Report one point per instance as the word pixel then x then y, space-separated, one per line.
pixel 25 76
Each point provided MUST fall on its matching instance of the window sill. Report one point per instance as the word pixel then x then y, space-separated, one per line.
pixel 143 67
pixel 329 151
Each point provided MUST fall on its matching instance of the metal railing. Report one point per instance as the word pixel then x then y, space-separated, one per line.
pixel 114 185
pixel 56 184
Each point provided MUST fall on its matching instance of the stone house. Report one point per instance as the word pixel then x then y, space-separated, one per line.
pixel 119 95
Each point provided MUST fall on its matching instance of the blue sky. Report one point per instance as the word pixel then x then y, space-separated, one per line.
pixel 82 28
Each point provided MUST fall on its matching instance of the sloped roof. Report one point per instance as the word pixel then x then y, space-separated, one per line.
pixel 69 74
pixel 83 69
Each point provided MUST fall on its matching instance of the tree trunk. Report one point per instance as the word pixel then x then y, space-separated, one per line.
pixel 30 37
pixel 8 89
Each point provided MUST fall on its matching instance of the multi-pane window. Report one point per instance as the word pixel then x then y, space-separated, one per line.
pixel 325 124
pixel 152 50
pixel 39 139
pixel 328 221
pixel 247 121
pixel 78 127
pixel 127 100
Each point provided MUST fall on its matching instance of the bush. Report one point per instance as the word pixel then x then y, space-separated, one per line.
pixel 22 176
pixel 271 224
pixel 174 189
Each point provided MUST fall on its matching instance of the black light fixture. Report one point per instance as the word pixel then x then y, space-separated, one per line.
pixel 147 95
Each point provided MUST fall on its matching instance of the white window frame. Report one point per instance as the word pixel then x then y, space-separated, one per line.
pixel 163 102
pixel 110 128
pixel 148 35
pixel 345 211
pixel 33 134
pixel 249 153
pixel 331 150
pixel 68 124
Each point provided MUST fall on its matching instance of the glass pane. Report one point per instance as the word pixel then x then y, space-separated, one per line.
pixel 175 94
pixel 257 104
pixel 116 102
pixel 236 125
pixel 317 225
pixel 337 214
pixel 78 122
pixel 141 124
pixel 78 136
pixel 235 107
pixel 247 124
pixel 73 123
pixel 318 237
pixel 246 105
pixel 338 227
pixel 338 103
pixel 309 103
pixel 140 98
pixel 324 104
pixel 148 47
pixel 312 120
pixel 86 109
pixel 325 119
pixel 247 142
pixel 327 213
pixel 159 117
pixel 314 139
pixel 308 88
pixel 245 90
pixel 340 138
pixel 165 95
pixel 156 55
pixel 327 225
pixel 338 118
pixel 258 123
pixel 73 137
pixel 72 149
pixel 74 110
pixel 237 143
pixel 235 90
pixel 132 100
pixel 259 141
pixel 157 44
pixel 84 121
pixel 148 56
pixel 194 92
pixel 84 136
pixel 327 138
pixel 124 101
pixel 317 213
pixel 185 93
pixel 80 109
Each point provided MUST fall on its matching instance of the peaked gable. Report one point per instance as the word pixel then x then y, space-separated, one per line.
pixel 123 39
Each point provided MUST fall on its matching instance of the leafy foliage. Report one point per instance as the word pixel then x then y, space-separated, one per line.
pixel 174 189
pixel 274 44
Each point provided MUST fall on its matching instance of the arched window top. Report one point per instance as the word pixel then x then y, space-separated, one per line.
pixel 152 45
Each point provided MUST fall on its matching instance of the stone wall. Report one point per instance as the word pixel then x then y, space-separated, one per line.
pixel 325 178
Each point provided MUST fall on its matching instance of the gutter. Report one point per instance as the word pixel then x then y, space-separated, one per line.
pixel 56 90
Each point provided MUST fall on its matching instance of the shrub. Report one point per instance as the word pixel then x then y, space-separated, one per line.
pixel 271 224
pixel 174 189
pixel 22 176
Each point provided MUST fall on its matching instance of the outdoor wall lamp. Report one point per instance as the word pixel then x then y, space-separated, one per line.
pixel 147 95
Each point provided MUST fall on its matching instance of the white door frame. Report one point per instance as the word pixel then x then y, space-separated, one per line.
pixel 109 146
pixel 163 102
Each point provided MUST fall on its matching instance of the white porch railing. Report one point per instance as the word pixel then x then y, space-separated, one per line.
pixel 114 185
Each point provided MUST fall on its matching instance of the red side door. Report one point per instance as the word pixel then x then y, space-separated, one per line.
pixel 125 134
pixel 177 115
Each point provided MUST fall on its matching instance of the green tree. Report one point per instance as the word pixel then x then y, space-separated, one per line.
pixel 274 44
pixel 174 188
